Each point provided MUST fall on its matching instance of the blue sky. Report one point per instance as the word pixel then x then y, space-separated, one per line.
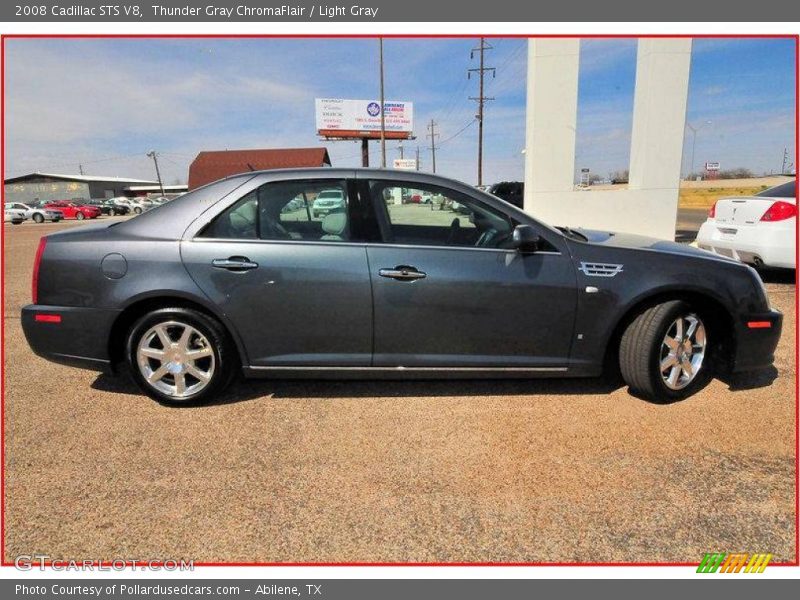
pixel 105 103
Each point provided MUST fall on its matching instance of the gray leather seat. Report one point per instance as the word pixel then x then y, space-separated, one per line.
pixel 335 227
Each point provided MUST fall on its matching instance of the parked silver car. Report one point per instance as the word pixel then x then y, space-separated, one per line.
pixel 37 213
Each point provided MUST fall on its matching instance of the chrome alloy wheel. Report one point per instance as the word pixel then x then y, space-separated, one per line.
pixel 176 359
pixel 683 351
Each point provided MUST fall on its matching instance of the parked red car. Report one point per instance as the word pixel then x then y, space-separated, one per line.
pixel 72 210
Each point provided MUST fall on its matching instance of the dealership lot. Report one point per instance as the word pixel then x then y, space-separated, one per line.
pixel 478 471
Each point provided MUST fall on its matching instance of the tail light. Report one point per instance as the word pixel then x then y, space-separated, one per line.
pixel 712 211
pixel 36 262
pixel 780 211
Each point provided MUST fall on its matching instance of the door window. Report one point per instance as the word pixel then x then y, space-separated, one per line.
pixel 418 214
pixel 287 210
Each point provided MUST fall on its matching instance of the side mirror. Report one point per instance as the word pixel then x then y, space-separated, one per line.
pixel 526 239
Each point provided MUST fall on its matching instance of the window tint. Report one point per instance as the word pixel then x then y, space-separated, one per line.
pixel 785 190
pixel 287 210
pixel 431 215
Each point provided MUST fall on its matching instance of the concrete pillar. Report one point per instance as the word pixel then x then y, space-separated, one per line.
pixel 552 112
pixel 650 204
pixel 659 114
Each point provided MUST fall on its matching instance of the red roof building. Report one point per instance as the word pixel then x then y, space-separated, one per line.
pixel 211 165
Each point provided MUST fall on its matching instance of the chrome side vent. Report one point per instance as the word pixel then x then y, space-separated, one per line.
pixel 600 269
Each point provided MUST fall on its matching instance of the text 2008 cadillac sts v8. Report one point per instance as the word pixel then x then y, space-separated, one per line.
pixel 240 274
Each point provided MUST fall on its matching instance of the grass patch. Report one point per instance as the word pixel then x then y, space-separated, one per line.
pixel 705 197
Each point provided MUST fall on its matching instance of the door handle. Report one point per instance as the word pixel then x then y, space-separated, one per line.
pixel 403 273
pixel 234 263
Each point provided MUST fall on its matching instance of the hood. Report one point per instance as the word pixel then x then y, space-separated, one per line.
pixel 632 241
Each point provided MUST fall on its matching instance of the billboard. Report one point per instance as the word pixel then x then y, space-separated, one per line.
pixel 405 164
pixel 337 117
pixel 712 166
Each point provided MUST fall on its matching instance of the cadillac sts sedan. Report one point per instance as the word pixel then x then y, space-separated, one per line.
pixel 227 279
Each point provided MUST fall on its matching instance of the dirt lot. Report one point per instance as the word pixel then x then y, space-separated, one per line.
pixel 438 471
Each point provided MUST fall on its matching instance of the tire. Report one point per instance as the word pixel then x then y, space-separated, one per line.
pixel 137 210
pixel 38 217
pixel 80 216
pixel 653 340
pixel 111 212
pixel 216 356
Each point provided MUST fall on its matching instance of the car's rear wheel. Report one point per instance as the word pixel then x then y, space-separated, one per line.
pixel 180 356
pixel 665 352
pixel 38 217
pixel 137 210
pixel 111 212
pixel 80 216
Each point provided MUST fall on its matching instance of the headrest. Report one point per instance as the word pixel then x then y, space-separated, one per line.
pixel 334 223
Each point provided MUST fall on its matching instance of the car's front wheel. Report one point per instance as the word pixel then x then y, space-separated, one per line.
pixel 111 212
pixel 137 210
pixel 180 356
pixel 664 353
pixel 80 216
pixel 38 217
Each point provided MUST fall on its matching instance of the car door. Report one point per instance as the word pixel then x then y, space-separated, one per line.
pixel 450 292
pixel 296 287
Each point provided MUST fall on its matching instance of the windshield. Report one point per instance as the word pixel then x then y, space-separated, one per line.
pixel 784 190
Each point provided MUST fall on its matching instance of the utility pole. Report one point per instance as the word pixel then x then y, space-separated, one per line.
pixel 785 158
pixel 383 114
pixel 694 139
pixel 400 148
pixel 433 135
pixel 152 154
pixel 80 168
pixel 481 99
pixel 417 158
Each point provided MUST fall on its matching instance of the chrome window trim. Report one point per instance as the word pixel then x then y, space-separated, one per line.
pixel 368 245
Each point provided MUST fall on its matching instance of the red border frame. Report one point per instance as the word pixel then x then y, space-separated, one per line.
pixel 794 37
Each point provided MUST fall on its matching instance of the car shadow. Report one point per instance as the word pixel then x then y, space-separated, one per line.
pixel 244 390
pixel 737 382
pixel 769 275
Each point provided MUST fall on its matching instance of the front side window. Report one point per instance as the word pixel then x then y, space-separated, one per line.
pixel 287 210
pixel 419 214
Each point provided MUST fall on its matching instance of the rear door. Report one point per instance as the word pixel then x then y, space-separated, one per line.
pixel 296 287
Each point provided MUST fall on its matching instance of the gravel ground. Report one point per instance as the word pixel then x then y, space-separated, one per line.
pixel 548 470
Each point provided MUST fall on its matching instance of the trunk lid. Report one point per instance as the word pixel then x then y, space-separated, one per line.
pixel 741 210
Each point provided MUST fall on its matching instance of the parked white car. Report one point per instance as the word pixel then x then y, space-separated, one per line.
pixel 136 205
pixel 13 216
pixel 327 202
pixel 37 213
pixel 759 230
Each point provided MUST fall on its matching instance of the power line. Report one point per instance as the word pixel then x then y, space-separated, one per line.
pixel 481 98
pixel 458 133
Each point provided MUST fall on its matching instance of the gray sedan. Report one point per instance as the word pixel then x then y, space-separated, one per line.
pixel 241 276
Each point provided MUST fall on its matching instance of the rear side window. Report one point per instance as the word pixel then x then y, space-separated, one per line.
pixel 785 190
pixel 306 210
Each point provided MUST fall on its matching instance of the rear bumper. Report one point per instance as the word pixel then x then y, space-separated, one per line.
pixel 771 246
pixel 77 337
pixel 757 336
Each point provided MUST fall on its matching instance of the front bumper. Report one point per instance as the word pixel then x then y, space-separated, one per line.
pixel 73 336
pixel 757 336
